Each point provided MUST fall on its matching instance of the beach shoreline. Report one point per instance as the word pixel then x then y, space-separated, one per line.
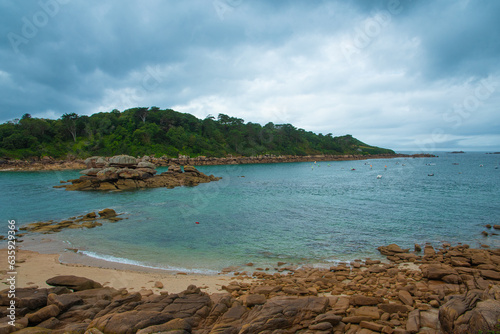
pixel 34 268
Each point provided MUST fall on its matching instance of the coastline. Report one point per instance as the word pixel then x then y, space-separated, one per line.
pixel 50 164
pixel 39 260
pixel 413 291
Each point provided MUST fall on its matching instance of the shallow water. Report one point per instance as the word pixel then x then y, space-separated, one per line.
pixel 293 212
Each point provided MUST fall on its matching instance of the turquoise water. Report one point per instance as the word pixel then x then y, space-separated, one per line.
pixel 294 212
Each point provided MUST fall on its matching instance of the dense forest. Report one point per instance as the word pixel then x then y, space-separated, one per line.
pixel 153 131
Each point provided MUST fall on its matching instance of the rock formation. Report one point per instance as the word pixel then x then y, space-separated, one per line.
pixel 123 172
pixel 456 290
pixel 89 220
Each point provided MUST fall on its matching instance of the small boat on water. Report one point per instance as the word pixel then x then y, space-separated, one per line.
pixel 379 176
pixel 431 174
pixel 455 163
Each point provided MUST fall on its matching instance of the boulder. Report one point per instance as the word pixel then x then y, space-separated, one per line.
pixel 174 169
pixel 90 216
pixel 65 301
pixel 191 170
pixel 455 307
pixel 437 271
pixel 391 250
pixel 430 319
pixel 148 171
pixel 129 322
pixel 28 298
pixel 107 213
pixel 145 173
pixel 328 317
pixel 405 297
pixel 101 162
pixel 144 164
pixel 282 312
pixel 254 299
pixel 91 162
pixel 74 283
pixel 107 174
pixel 429 250
pixel 371 312
pixel 43 314
pixel 127 173
pixel 413 323
pixel 484 318
pixel 123 161
pixel 360 300
pixel 266 289
pixel 393 308
pixel 322 326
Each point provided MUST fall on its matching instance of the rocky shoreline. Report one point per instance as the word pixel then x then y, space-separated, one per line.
pixel 48 163
pixel 450 290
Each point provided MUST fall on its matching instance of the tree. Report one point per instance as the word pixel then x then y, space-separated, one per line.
pixel 69 122
pixel 142 113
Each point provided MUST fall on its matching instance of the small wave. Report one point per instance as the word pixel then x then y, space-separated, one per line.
pixel 110 258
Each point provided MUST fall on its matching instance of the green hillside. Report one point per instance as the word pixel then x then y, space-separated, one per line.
pixel 148 131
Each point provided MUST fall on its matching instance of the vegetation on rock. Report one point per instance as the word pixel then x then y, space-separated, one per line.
pixel 153 131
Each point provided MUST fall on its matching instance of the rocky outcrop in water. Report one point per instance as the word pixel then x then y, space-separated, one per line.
pixel 89 220
pixel 453 290
pixel 123 172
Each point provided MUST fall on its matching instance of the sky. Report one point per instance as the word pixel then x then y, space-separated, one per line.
pixel 402 74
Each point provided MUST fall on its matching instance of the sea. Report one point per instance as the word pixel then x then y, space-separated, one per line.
pixel 305 213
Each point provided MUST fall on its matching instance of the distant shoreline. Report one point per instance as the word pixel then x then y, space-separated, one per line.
pixel 49 164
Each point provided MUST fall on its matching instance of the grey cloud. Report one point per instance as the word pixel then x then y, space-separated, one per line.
pixel 278 61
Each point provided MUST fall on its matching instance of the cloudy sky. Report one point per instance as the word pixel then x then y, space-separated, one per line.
pixel 408 75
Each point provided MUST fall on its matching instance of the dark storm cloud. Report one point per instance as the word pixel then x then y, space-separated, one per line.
pixel 387 71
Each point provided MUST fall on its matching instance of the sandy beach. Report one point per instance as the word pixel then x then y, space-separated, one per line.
pixel 34 268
